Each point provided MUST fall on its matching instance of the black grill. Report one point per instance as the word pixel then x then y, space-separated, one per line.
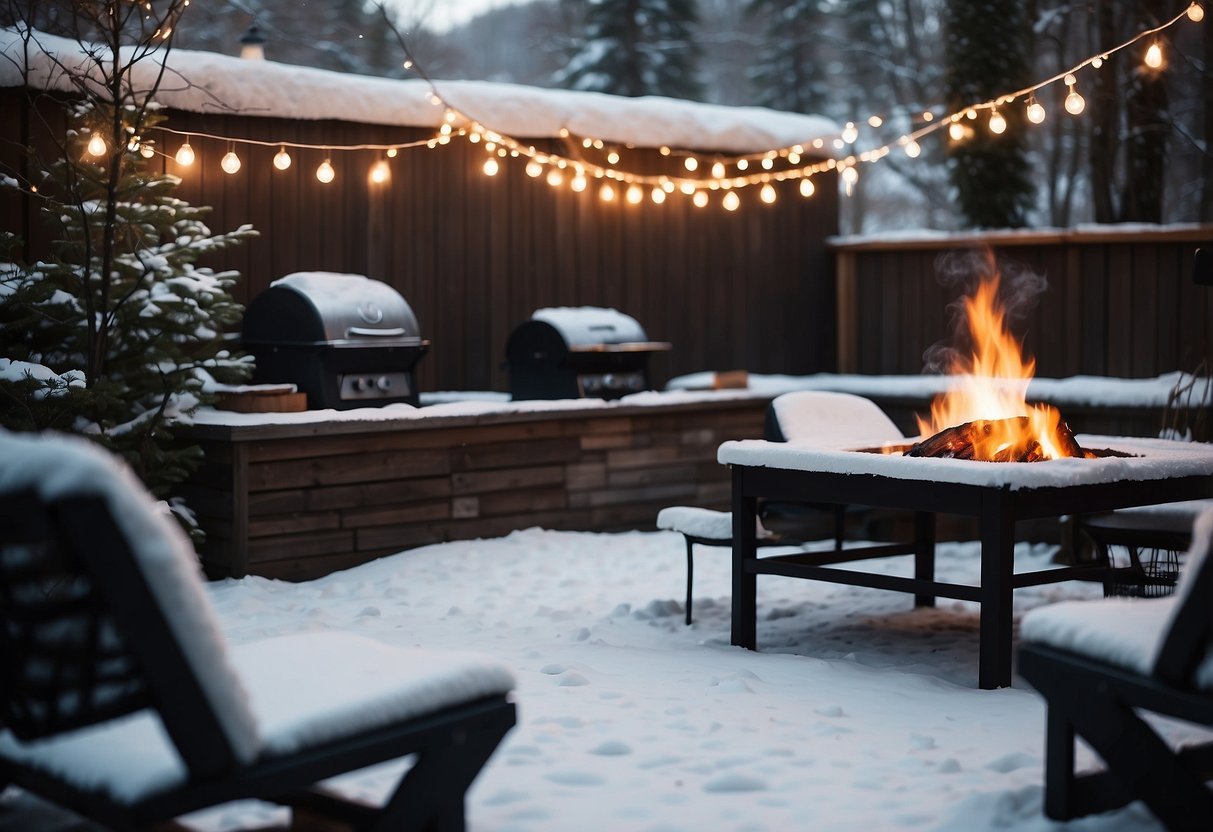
pixel 570 353
pixel 344 339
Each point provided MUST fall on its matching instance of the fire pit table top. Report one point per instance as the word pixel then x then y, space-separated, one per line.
pixel 1132 459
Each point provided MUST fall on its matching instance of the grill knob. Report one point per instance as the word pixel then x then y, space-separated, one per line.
pixel 609 382
pixel 362 384
pixel 383 383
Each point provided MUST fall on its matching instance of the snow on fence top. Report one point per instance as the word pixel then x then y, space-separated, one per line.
pixel 205 82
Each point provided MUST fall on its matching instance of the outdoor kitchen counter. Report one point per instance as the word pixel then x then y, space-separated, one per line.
pixel 298 495
pixel 996 494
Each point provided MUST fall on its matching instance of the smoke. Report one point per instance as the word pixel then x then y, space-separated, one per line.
pixel 1019 292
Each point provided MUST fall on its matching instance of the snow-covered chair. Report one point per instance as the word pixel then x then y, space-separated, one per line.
pixel 1152 538
pixel 1099 664
pixel 805 417
pixel 121 700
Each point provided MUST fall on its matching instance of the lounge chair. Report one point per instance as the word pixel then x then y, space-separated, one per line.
pixel 122 701
pixel 1100 665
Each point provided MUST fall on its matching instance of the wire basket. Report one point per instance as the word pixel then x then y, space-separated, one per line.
pixel 1149 573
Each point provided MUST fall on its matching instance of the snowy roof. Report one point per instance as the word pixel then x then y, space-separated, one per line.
pixel 205 82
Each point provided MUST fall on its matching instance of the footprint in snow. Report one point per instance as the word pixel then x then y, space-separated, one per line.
pixel 576 778
pixel 732 685
pixel 735 782
pixel 572 679
pixel 1010 762
pixel 920 743
pixel 830 710
pixel 369 612
pixel 582 634
pixel 553 669
pixel 611 748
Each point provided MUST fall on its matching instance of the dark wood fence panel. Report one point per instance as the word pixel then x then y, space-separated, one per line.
pixel 1117 303
pixel 475 255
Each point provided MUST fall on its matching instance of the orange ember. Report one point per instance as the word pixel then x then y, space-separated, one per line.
pixel 992 384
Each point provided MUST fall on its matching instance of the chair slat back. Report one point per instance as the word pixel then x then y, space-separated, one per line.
pixel 825 418
pixel 1188 641
pixel 63 663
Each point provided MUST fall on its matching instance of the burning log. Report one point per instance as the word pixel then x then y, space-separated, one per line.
pixel 967 441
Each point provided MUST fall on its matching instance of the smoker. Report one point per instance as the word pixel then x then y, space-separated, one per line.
pixel 344 339
pixel 569 353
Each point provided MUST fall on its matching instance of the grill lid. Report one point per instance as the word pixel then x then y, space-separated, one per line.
pixel 597 329
pixel 341 310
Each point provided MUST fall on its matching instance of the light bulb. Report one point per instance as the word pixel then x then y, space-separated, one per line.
pixel 956 131
pixel 850 175
pixel 690 163
pixel 146 150
pixel 230 162
pixel 606 193
pixel 612 158
pixel 579 183
pixel 491 167
pixel 731 201
pixel 658 196
pixel 742 164
pixel 850 133
pixel 1154 56
pixel 380 172
pixel 282 159
pixel 325 172
pixel 667 186
pixel 807 188
pixel 555 177
pixel 700 199
pixel 927 115
pixel 185 155
pixel 97 145
pixel 1036 113
pixel 1097 62
pixel 768 163
pixel 391 152
pixel 767 194
pixel 913 149
pixel 875 121
pixel 474 137
pixel 998 124
pixel 533 168
pixel 687 188
pixel 718 170
pixel 634 194
pixel 1070 80
pixel 1075 103
pixel 1196 13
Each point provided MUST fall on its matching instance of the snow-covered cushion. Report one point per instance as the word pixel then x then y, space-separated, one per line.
pixel 702 522
pixel 304 689
pixel 1169 517
pixel 819 417
pixel 1127 632
pixel 58 465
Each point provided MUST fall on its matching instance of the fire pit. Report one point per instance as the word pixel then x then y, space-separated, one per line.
pixel 986 454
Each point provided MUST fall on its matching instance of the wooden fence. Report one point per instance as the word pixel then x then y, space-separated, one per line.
pixel 1118 302
pixel 475 255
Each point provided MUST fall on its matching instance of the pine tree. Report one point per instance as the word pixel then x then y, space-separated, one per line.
pixel 987 45
pixel 113 332
pixel 636 47
pixel 792 70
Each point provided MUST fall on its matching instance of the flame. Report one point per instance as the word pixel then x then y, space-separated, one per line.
pixel 992 384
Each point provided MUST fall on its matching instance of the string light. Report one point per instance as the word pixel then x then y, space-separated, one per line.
pixel 731 201
pixel 807 188
pixel 97 145
pixel 1154 56
pixel 1036 113
pixel 185 154
pixel 230 163
pixel 381 172
pixel 777 165
pixel 146 150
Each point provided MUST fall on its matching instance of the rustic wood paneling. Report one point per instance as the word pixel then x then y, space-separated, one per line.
pixel 1118 303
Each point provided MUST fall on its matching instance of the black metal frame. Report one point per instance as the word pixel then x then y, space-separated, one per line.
pixel 452 744
pixel 996 508
pixel 1099 702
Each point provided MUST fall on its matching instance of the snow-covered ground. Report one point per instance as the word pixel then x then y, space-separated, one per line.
pixel 859 712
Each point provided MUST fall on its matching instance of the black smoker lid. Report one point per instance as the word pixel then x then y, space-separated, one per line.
pixel 597 329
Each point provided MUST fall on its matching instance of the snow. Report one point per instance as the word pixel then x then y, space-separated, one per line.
pixel 204 82
pixel 1074 391
pixel 1150 459
pixel 859 712
pixel 591 324
pixel 824 418
pixel 702 522
pixel 53 384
